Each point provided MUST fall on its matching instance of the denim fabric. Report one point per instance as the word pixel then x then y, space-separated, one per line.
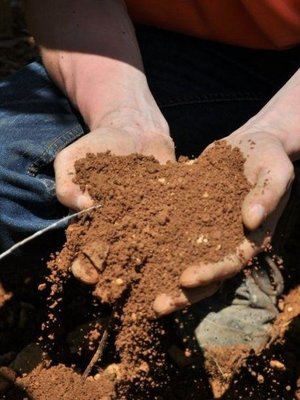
pixel 36 122
pixel 204 89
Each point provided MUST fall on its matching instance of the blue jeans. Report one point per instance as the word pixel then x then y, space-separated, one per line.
pixel 204 89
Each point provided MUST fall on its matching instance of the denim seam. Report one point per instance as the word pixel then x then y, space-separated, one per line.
pixel 53 148
pixel 211 98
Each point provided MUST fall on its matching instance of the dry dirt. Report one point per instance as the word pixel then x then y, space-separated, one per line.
pixel 67 320
pixel 153 221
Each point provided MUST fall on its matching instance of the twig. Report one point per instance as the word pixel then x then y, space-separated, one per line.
pixel 42 231
pixel 218 366
pixel 97 355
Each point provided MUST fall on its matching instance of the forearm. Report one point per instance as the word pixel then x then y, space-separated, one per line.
pixel 281 116
pixel 90 50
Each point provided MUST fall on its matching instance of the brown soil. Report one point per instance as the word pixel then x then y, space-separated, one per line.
pixel 73 322
pixel 153 221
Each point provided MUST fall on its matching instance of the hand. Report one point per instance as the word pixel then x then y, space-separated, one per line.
pixel 110 135
pixel 118 140
pixel 270 172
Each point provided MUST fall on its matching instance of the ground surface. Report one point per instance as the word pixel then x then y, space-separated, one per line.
pixel 67 321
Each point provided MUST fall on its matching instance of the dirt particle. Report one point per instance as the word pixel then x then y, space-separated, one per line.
pixel 41 287
pixel 277 365
pixel 260 378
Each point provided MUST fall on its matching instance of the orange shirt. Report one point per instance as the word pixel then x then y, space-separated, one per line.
pixel 269 24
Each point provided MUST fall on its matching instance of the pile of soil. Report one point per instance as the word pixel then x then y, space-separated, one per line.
pixel 153 222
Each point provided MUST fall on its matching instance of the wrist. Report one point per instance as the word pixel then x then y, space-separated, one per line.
pixel 281 117
pixel 133 120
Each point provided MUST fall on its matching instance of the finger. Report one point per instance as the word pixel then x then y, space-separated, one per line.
pixel 161 147
pixel 206 274
pixel 98 141
pixel 273 183
pixel 67 192
pixel 165 304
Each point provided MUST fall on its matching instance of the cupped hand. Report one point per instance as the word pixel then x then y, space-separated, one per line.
pixel 105 138
pixel 270 173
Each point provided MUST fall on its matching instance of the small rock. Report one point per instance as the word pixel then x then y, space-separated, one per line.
pixel 41 287
pixel 190 162
pixel 97 253
pixel 113 372
pixel 260 378
pixel 188 353
pixel 202 239
pixel 277 365
pixel 27 359
pixel 83 270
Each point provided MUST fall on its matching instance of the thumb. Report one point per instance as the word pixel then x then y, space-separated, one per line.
pixel 272 184
pixel 67 192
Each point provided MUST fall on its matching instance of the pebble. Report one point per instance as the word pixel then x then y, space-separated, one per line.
pixel 84 272
pixel 41 287
pixel 277 365
pixel 260 378
pixel 113 372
